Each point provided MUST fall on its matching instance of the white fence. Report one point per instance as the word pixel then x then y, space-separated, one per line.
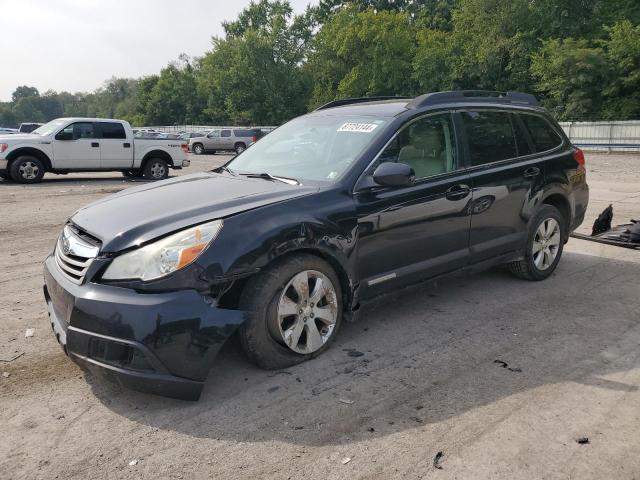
pixel 604 136
pixel 592 136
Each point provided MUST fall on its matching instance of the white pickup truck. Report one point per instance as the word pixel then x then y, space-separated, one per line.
pixel 87 145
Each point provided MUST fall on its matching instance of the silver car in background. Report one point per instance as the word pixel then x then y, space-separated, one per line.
pixel 225 139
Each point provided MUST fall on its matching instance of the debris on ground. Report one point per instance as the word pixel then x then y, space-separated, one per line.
pixel 15 357
pixel 437 459
pixel 133 462
pixel 273 389
pixel 352 352
pixel 603 222
pixel 504 364
pixel 346 401
pixel 30 332
pixel 416 419
pixel 371 429
pixel 6 374
pixel 583 440
pixel 346 460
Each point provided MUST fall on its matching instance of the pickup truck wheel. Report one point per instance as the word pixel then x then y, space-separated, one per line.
pixel 198 149
pixel 155 169
pixel 294 311
pixel 27 169
pixel 240 147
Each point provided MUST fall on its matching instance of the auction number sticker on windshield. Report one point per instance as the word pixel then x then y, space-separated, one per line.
pixel 358 127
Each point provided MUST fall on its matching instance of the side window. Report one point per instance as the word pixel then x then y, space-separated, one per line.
pixel 490 136
pixel 214 134
pixel 522 137
pixel 242 133
pixel 427 145
pixel 80 130
pixel 225 133
pixel 543 135
pixel 112 130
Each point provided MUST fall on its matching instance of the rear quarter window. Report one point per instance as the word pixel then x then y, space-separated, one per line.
pixel 543 135
pixel 490 136
pixel 243 133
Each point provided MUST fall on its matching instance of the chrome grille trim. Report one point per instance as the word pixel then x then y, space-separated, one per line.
pixel 74 255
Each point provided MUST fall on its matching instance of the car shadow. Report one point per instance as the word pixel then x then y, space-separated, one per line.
pixel 432 353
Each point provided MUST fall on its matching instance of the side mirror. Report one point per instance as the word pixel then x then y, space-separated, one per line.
pixel 62 135
pixel 391 174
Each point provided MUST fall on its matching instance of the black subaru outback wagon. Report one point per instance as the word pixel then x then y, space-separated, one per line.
pixel 292 236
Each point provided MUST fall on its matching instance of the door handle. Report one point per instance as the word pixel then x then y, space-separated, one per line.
pixel 457 192
pixel 126 145
pixel 95 144
pixel 531 172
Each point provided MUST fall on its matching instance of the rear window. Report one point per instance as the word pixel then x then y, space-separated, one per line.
pixel 490 136
pixel 244 133
pixel 542 133
pixel 112 130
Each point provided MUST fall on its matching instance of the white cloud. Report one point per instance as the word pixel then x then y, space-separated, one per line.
pixel 75 45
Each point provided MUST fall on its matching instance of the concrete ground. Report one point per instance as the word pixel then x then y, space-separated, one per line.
pixel 428 381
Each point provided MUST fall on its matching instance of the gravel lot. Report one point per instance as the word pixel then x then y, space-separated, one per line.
pixel 427 381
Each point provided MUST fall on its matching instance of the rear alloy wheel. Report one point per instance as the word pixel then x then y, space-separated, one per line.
pixel 544 247
pixel 240 147
pixel 294 312
pixel 156 169
pixel 27 169
pixel 198 149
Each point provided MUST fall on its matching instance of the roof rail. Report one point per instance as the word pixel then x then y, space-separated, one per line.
pixel 436 98
pixel 350 101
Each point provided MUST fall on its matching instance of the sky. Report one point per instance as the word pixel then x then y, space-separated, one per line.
pixel 76 45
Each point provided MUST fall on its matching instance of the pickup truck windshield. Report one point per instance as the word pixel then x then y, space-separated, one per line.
pixel 49 128
pixel 313 147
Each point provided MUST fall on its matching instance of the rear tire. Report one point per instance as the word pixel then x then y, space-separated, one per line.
pixel 545 243
pixel 155 169
pixel 274 337
pixel 198 149
pixel 27 169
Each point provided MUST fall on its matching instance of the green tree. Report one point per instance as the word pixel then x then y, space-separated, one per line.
pixel 24 92
pixel 363 53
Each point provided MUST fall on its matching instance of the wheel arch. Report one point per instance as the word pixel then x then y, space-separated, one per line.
pixel 35 152
pixel 561 202
pixel 156 154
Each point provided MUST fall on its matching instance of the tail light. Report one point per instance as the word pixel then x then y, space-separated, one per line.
pixel 185 147
pixel 254 139
pixel 578 156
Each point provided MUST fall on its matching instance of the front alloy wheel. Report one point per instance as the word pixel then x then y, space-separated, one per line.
pixel 307 312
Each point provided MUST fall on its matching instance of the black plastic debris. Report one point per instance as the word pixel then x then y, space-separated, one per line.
pixel 354 353
pixel 506 365
pixel 437 459
pixel 603 222
pixel 583 440
pixel 626 235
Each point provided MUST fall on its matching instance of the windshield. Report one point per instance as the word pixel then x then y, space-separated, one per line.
pixel 51 127
pixel 313 147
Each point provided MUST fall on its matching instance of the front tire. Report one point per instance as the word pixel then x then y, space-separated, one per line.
pixel 294 312
pixel 155 169
pixel 545 243
pixel 27 169
pixel 198 149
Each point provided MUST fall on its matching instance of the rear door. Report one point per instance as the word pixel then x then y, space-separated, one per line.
pixel 77 146
pixel 115 148
pixel 226 140
pixel 506 176
pixel 212 140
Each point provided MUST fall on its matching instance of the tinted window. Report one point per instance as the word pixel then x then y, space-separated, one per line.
pixel 80 130
pixel 112 130
pixel 490 136
pixel 244 133
pixel 522 138
pixel 225 133
pixel 543 135
pixel 426 145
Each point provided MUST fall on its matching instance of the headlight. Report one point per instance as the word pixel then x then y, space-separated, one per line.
pixel 164 256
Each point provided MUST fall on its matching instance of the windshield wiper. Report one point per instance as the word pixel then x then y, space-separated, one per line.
pixel 226 169
pixel 268 176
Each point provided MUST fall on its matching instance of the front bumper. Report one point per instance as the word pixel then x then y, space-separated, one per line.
pixel 158 343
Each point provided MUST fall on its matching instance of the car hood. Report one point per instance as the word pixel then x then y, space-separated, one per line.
pixel 137 215
pixel 18 137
